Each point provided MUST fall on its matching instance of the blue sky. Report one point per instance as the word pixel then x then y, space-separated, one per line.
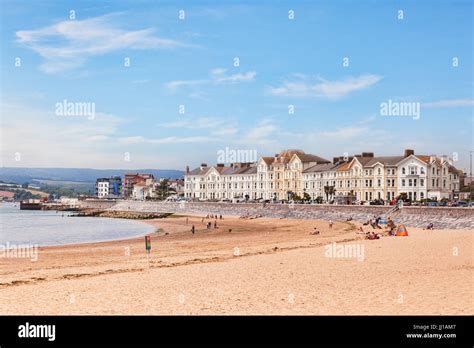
pixel 190 62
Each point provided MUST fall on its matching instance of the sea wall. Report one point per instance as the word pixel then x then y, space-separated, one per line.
pixel 442 217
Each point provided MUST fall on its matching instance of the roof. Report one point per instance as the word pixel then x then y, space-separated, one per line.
pixel 311 158
pixel 268 160
pixel 199 171
pixel 344 166
pixel 320 167
pixel 385 160
pixel 424 158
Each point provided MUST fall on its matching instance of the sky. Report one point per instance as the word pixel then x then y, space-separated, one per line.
pixel 172 83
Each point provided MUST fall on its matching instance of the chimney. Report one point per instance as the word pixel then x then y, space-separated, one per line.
pixel 335 160
pixel 187 169
pixel 220 164
pixel 409 152
pixel 203 165
pixel 367 154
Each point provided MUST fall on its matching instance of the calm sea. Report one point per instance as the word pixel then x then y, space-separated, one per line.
pixel 51 228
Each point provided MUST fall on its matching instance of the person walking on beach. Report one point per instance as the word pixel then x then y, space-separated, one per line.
pixel 330 224
pixel 192 229
pixel 215 224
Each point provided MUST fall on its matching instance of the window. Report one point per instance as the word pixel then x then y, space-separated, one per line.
pixel 410 182
pixel 403 182
pixel 403 170
pixel 422 182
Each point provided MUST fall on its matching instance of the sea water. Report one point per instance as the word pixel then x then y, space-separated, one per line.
pixel 48 227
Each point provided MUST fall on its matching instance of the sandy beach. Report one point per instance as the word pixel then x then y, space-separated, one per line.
pixel 262 266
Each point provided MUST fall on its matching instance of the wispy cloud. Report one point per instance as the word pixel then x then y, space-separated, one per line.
pixel 68 44
pixel 165 140
pixel 195 123
pixel 324 88
pixel 217 76
pixel 449 103
pixel 345 132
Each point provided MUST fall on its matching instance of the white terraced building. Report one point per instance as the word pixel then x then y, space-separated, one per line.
pixel 361 177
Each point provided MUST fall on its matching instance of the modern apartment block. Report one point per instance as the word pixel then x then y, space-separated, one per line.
pixel 362 177
pixel 109 187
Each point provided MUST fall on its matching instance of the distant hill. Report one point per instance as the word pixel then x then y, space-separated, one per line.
pixel 74 176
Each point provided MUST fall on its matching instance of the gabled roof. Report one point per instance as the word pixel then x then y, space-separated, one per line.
pixel 363 160
pixel 424 158
pixel 268 160
pixel 345 166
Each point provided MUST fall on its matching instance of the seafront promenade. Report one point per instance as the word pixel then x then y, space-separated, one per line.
pixel 441 217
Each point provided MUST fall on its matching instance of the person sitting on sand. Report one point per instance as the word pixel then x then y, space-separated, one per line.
pixel 349 218
pixel 315 232
pixel 430 226
pixel 373 235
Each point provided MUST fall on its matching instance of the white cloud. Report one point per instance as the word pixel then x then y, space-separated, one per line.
pixel 68 44
pixel 165 140
pixel 325 88
pixel 345 132
pixel 217 76
pixel 448 103
pixel 195 123
pixel 173 85
pixel 263 133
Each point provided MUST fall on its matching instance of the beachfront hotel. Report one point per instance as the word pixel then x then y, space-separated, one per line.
pixel 362 177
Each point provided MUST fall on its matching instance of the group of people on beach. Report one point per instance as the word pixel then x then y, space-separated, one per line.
pixel 209 223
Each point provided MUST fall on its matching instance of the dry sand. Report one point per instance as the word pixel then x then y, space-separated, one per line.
pixel 264 266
